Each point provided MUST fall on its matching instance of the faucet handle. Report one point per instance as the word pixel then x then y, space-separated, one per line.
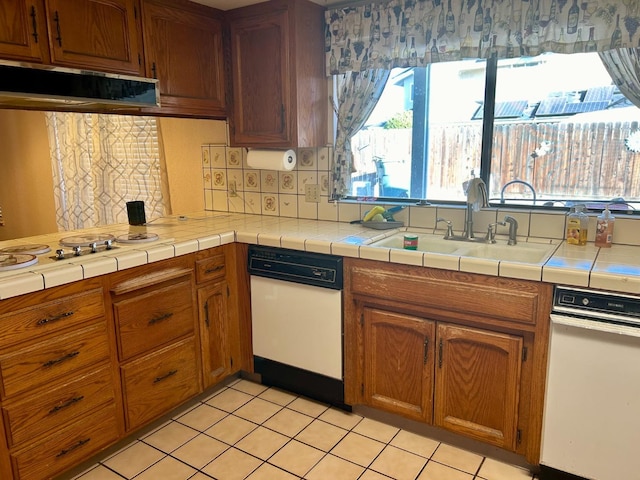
pixel 449 233
pixel 491 232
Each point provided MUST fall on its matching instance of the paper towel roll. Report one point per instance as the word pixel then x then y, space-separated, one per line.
pixel 272 159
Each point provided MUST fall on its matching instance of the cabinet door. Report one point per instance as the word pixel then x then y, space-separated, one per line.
pixel 398 363
pixel 23 31
pixel 261 86
pixel 184 52
pixel 214 334
pixel 477 384
pixel 100 34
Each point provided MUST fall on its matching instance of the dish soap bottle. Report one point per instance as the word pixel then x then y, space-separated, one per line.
pixel 604 228
pixel 577 226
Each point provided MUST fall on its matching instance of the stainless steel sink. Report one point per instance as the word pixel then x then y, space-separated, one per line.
pixel 533 253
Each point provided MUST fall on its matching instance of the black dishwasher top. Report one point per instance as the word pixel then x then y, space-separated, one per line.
pixel 308 268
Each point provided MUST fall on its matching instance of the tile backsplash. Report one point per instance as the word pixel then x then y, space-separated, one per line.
pixel 230 185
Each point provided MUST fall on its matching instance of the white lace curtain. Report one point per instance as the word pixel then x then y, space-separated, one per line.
pixel 403 33
pixel 99 162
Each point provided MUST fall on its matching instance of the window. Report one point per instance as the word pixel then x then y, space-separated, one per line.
pixel 557 131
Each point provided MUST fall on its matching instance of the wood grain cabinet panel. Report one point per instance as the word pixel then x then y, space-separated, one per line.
pixel 100 34
pixel 214 332
pixel 154 318
pixel 48 361
pixel 184 51
pixel 156 383
pixel 67 447
pixel 398 363
pixel 478 384
pixel 23 31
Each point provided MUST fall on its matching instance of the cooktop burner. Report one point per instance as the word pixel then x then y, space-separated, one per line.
pixel 137 237
pixel 86 240
pixel 31 249
pixel 14 261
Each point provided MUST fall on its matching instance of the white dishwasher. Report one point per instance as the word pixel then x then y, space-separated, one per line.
pixel 296 319
pixel 591 422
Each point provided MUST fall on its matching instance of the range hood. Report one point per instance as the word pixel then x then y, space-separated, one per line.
pixel 48 87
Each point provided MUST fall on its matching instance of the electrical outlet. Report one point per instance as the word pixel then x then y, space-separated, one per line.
pixel 312 193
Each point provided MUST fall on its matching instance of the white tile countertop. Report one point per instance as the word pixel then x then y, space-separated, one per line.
pixel 613 269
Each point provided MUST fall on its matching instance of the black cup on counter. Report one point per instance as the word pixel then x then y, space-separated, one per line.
pixel 135 212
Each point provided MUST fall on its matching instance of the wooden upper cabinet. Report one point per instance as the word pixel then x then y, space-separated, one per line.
pixel 184 51
pixel 23 31
pixel 279 83
pixel 478 383
pixel 95 34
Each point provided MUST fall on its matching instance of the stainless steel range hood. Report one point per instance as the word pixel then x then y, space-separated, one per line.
pixel 47 87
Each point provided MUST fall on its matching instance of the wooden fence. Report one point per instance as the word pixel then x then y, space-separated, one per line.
pixel 583 160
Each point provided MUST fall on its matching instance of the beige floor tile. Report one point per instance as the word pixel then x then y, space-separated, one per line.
pixel 232 465
pixel 202 417
pixel 200 476
pixel 262 443
pixel 494 470
pixel 200 451
pixel 231 429
pixel 269 472
pixel 457 458
pixel 288 422
pixel 98 473
pixel 278 396
pixel 216 392
pixel 257 410
pixel 297 458
pixel 437 471
pixel 398 464
pixel 229 400
pixel 168 469
pixel 334 468
pixel 170 437
pixel 308 407
pixel 340 418
pixel 414 443
pixel 321 435
pixel 251 388
pixel 376 430
pixel 371 475
pixel 358 449
pixel 134 459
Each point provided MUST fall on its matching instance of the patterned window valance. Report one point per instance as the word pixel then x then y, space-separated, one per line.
pixel 407 33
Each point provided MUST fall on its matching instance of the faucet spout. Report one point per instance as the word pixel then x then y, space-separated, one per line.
pixel 476 191
pixel 513 229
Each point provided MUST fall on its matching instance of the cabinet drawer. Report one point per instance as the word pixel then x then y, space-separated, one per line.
pixel 40 363
pixel 50 317
pixel 156 383
pixel 211 268
pixel 67 447
pixel 155 318
pixel 41 412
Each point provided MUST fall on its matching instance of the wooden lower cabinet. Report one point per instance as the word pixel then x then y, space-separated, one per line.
pixel 460 351
pixel 158 382
pixel 398 365
pixel 478 384
pixel 214 332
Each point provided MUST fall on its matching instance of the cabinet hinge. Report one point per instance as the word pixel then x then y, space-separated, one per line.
pixel 135 12
pixel 524 354
pixel 518 436
pixel 139 60
pixel 362 389
pixel 362 319
pixel 231 361
pixel 228 291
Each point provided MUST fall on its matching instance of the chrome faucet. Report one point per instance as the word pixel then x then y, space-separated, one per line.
pixel 513 229
pixel 476 191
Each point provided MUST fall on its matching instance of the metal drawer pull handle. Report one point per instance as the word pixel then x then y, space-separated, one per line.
pixel 55 318
pixel 214 269
pixel 160 318
pixel 66 404
pixel 73 447
pixel 56 18
pixel 34 23
pixel 163 377
pixel 68 356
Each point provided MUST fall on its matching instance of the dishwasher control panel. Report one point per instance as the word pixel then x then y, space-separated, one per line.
pixel 597 304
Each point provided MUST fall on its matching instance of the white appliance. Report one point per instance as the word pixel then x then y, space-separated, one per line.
pixel 296 316
pixel 592 407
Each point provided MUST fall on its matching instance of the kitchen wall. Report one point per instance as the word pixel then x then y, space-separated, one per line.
pixel 26 187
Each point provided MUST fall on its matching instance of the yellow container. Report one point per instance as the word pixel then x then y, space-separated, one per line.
pixel 577 226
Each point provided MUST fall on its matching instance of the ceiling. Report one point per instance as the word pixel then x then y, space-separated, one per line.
pixel 229 4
